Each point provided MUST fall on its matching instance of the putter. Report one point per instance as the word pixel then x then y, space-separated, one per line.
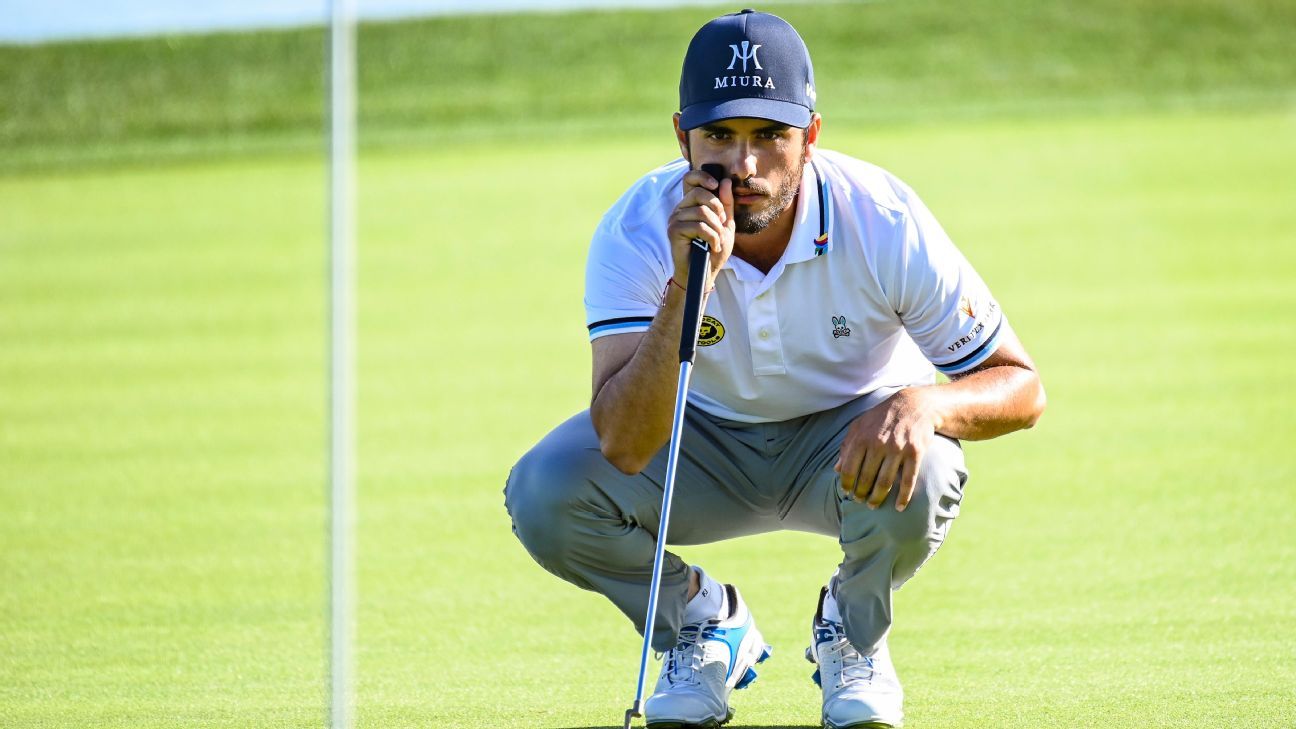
pixel 699 260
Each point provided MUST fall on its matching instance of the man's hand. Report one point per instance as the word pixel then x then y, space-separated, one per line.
pixel 887 440
pixel 705 213
pixel 1000 395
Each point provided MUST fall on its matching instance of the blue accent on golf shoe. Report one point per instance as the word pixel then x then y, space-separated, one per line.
pixel 731 637
pixel 692 691
pixel 750 675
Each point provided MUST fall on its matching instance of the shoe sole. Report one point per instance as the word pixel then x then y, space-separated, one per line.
pixel 708 724
pixel 862 725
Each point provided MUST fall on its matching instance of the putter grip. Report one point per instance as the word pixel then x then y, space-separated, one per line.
pixel 699 260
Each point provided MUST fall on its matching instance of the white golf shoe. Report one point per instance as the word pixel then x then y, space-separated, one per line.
pixel 712 658
pixel 858 691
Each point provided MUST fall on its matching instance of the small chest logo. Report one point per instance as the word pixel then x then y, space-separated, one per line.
pixel 710 332
pixel 839 327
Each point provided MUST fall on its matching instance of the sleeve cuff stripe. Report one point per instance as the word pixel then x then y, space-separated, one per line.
pixel 621 320
pixel 979 355
pixel 616 325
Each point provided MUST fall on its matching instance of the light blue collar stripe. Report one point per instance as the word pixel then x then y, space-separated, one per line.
pixel 826 195
pixel 822 243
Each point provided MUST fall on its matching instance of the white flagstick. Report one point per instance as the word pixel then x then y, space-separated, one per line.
pixel 341 358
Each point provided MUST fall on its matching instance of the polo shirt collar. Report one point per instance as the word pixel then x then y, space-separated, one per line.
pixel 813 217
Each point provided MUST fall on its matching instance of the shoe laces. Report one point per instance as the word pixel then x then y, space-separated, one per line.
pixel 839 652
pixel 684 661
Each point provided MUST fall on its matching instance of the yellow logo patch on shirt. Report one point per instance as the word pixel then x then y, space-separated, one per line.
pixel 711 331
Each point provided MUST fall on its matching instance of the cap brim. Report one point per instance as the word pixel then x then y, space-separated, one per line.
pixel 783 112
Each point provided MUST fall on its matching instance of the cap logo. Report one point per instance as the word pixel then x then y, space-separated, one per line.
pixel 748 53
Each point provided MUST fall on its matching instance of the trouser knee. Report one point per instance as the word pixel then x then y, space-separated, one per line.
pixel 542 496
pixel 921 527
pixel 883 548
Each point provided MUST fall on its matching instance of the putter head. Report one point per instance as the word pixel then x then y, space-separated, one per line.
pixel 631 713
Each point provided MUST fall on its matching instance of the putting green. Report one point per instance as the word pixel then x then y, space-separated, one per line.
pixel 1129 563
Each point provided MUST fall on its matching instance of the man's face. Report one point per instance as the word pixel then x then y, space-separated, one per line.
pixel 764 159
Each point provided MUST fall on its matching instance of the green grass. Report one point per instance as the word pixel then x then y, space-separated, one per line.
pixel 444 80
pixel 1129 563
pixel 1120 173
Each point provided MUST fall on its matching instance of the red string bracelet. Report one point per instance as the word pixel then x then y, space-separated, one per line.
pixel 672 282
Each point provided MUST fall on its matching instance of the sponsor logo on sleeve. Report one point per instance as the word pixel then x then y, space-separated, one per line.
pixel 968 308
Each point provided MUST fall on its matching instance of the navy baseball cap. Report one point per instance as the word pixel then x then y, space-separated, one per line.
pixel 746 64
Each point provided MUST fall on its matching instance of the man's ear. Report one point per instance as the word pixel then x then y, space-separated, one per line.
pixel 681 136
pixel 812 135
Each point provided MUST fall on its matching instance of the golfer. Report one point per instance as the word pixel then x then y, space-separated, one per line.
pixel 833 298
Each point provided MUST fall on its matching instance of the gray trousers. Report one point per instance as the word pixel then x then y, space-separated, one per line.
pixel 596 527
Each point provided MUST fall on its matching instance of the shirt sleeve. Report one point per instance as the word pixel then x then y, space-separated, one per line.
pixel 943 304
pixel 623 280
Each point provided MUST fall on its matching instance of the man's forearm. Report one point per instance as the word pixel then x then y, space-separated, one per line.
pixel 632 410
pixel 987 403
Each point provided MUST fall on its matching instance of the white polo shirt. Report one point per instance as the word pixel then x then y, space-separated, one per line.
pixel 869 294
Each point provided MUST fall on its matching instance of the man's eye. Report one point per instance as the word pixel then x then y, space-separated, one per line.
pixel 718 136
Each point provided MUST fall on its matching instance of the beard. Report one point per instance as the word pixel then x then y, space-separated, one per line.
pixel 748 221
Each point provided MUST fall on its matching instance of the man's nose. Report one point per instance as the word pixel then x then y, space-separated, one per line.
pixel 744 163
